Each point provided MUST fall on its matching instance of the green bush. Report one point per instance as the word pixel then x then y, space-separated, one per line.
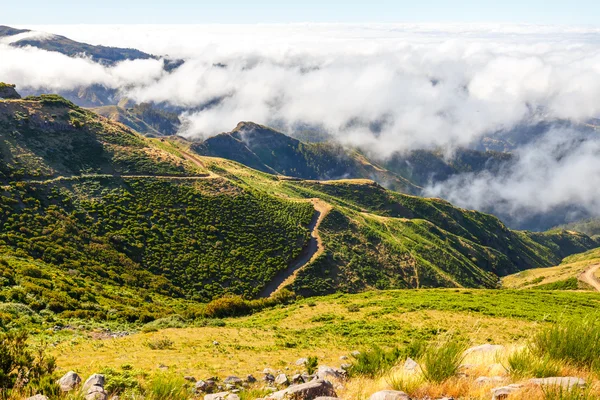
pixel 20 364
pixel 166 387
pixel 440 361
pixel 312 363
pixel 163 343
pixel 574 341
pixel 523 363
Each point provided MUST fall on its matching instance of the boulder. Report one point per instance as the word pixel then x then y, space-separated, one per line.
pixel 389 395
pixel 411 365
pixel 305 391
pixel 484 349
pixel 501 393
pixel 189 378
pixel 301 361
pixel 282 380
pixel 269 378
pixel 38 397
pixel 206 386
pixel 69 381
pixel 94 380
pixel 355 353
pixel 233 380
pixel 296 379
pixel 250 379
pixel 96 393
pixel 8 92
pixel 564 381
pixel 324 372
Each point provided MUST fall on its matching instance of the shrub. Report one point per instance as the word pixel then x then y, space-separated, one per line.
pixel 574 341
pixel 231 306
pixel 440 361
pixel 524 363
pixel 164 387
pixel 163 343
pixel 312 363
pixel 19 363
pixel 375 361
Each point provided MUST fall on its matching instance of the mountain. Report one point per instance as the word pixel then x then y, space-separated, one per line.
pixel 94 202
pixel 270 151
pixel 104 55
pixel 143 118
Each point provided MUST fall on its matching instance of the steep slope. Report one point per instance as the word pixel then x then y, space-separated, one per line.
pixel 91 198
pixel 143 118
pixel 270 151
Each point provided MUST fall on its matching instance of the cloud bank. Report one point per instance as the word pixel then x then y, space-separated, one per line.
pixel 385 87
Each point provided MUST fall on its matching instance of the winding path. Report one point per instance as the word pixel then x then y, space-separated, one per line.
pixel 589 276
pixel 311 251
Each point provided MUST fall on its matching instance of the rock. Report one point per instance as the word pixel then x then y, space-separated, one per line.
pixel 296 379
pixel 343 358
pixel 215 343
pixel 282 380
pixel 206 386
pixel 269 378
pixel 326 398
pixel 324 372
pixel 301 361
pixel 306 391
pixel 96 393
pixel 69 381
pixel 355 353
pixel 485 349
pixel 8 92
pixel 233 380
pixel 389 395
pixel 190 379
pixel 501 393
pixel 484 380
pixel 250 379
pixel 38 397
pixel 567 382
pixel 222 396
pixel 411 365
pixel 94 380
pixel 346 366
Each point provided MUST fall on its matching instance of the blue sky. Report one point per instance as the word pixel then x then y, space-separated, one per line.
pixel 573 12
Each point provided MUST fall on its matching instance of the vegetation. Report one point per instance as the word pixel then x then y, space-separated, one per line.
pixel 441 361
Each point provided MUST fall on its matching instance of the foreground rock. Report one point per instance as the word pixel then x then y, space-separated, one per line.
pixel 38 397
pixel 501 393
pixel 305 391
pixel 568 382
pixel 327 373
pixel 93 388
pixel 69 381
pixel 389 395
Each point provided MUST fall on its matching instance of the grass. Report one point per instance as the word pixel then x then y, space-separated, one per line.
pixel 523 363
pixel 441 361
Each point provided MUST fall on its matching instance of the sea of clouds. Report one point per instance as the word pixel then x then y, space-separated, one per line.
pixel 387 88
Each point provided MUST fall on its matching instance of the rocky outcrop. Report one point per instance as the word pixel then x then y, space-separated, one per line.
pixel 305 391
pixel 93 388
pixel 501 393
pixel 8 92
pixel 567 382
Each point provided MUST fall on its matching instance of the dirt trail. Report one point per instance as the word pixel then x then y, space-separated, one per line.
pixel 311 251
pixel 589 276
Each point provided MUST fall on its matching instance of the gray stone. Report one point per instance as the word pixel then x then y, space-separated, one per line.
pixel 269 378
pixel 297 379
pixel 326 373
pixel 301 361
pixel 485 380
pixel 205 386
pixel 94 380
pixel 69 381
pixel 389 395
pixel 222 396
pixel 485 349
pixel 282 380
pixel 564 381
pixel 411 365
pixel 501 393
pixel 250 379
pixel 355 353
pixel 343 358
pixel 38 397
pixel 96 392
pixel 305 391
pixel 233 380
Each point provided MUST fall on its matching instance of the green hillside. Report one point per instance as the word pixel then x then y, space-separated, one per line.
pixel 143 118
pixel 270 151
pixel 96 205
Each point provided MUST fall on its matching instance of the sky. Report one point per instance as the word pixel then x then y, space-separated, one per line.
pixel 573 12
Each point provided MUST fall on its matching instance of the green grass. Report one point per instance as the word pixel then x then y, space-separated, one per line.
pixel 441 360
pixel 523 363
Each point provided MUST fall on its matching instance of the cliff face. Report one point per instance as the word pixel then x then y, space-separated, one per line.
pixel 8 91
